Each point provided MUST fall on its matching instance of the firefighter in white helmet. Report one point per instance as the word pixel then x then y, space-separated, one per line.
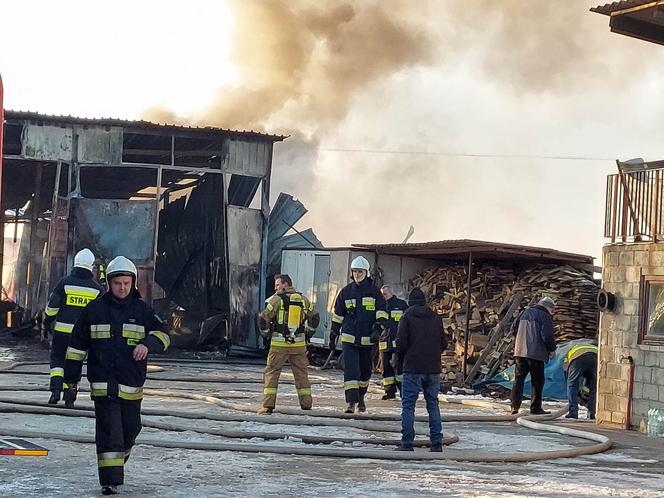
pixel 69 297
pixel 359 318
pixel 117 332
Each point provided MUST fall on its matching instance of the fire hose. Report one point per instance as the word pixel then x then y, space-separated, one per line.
pixel 366 422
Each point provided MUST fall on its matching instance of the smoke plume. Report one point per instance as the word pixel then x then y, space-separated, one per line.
pixel 508 77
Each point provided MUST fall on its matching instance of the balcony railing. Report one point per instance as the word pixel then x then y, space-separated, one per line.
pixel 634 206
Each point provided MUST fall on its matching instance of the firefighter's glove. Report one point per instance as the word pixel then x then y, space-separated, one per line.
pixel 334 337
pixel 376 331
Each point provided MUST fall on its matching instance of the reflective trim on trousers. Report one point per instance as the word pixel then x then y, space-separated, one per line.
pixel 111 459
pixel 388 381
pixel 269 391
pixel 351 384
pixel 75 354
pixel 57 372
pixel 99 388
pixel 130 393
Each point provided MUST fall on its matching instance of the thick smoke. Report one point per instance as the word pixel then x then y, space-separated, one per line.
pixel 373 75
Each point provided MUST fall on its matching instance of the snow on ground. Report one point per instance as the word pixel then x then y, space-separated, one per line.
pixel 70 468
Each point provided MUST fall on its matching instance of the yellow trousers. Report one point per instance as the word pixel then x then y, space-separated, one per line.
pixel 276 360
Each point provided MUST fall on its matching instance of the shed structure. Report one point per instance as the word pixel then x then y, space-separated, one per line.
pixel 189 205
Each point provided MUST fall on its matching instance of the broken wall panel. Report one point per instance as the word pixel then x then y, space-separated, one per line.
pixel 46 142
pixel 245 227
pixel 111 228
pixel 247 157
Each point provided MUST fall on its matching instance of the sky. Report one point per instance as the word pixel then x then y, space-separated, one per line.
pixel 381 104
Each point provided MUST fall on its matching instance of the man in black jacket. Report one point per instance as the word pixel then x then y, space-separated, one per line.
pixel 534 345
pixel 117 331
pixel 421 340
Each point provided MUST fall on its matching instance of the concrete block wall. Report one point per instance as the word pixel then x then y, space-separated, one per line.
pixel 623 265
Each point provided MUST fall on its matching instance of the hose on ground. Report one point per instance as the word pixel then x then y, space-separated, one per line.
pixel 88 412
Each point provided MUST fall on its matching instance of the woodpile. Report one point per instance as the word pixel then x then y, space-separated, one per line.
pixel 497 296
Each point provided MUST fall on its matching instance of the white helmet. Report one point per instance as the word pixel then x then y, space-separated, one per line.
pixel 84 259
pixel 360 263
pixel 121 266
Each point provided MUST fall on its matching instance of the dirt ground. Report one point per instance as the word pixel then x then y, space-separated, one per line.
pixel 632 468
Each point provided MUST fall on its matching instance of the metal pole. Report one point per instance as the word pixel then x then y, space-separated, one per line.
pixel 467 333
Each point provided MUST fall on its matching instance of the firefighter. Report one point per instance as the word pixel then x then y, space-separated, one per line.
pixel 581 362
pixel 359 317
pixel 292 320
pixel 68 299
pixel 395 308
pixel 117 331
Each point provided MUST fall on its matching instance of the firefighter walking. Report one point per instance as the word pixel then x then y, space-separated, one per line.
pixel 292 319
pixel 70 296
pixel 359 318
pixel 391 374
pixel 117 331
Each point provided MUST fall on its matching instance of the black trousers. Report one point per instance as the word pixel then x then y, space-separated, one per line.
pixel 59 344
pixel 358 365
pixel 391 377
pixel 118 423
pixel 523 367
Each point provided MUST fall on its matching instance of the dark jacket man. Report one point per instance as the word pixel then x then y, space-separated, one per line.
pixel 420 342
pixel 534 344
pixel 421 338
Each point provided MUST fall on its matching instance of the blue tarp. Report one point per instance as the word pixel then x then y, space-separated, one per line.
pixel 555 384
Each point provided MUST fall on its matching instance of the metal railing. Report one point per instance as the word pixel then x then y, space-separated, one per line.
pixel 633 211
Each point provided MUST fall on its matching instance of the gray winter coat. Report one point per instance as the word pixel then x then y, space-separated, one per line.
pixel 534 334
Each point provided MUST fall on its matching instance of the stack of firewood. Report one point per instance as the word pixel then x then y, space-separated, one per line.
pixel 492 290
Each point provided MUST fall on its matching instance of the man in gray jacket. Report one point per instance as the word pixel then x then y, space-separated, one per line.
pixel 535 344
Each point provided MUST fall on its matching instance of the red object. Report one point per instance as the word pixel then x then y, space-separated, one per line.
pixel 2 127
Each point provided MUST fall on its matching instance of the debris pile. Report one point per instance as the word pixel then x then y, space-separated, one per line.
pixel 497 296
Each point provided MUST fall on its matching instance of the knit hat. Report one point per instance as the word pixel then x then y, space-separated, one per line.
pixel 416 297
pixel 548 303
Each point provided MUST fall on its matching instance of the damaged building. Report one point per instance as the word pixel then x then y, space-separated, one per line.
pixel 189 206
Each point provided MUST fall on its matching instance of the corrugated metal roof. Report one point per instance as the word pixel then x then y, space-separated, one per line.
pixel 610 8
pixel 35 116
pixel 479 248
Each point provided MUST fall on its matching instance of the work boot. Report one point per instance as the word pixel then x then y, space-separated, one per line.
pixel 69 398
pixel 350 408
pixel 591 416
pixel 389 396
pixel 437 448
pixel 361 407
pixel 109 490
pixel 571 415
pixel 539 412
pixel 404 447
pixel 306 407
pixel 265 410
pixel 55 397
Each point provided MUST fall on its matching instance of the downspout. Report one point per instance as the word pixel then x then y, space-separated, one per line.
pixel 630 391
